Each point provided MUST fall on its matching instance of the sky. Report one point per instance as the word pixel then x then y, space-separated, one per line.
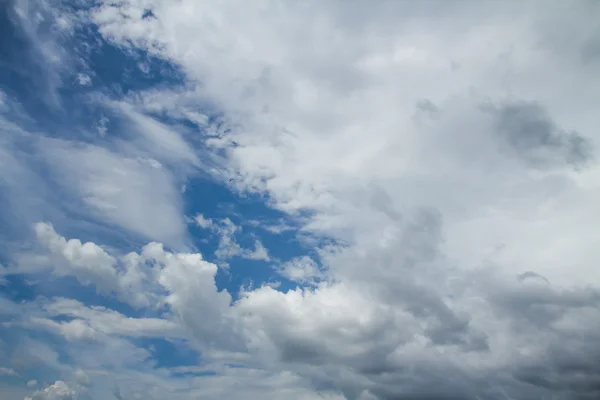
pixel 341 200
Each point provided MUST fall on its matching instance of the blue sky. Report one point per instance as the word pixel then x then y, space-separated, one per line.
pixel 315 200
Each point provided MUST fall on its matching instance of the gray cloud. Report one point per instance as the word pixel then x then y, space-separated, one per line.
pixel 533 136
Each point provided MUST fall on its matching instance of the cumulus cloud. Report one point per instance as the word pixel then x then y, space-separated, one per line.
pixel 91 265
pixel 359 334
pixel 59 390
pixel 436 160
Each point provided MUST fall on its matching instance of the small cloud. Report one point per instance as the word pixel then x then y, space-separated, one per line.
pixel 228 245
pixel 8 372
pixel 150 161
pixel 144 67
pixel 259 252
pixel 84 80
pixel 302 270
pixel 276 229
pixel 32 383
pixel 102 126
pixel 202 222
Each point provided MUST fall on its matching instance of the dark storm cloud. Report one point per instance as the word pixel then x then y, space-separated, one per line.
pixel 528 130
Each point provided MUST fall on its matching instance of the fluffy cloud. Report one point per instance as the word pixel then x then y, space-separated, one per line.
pixel 447 160
pixel 456 331
pixel 57 391
pixel 91 265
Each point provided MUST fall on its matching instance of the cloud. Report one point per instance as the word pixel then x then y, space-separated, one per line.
pixel 84 80
pixel 156 138
pixel 431 218
pixel 533 136
pixel 90 323
pixel 91 265
pixel 8 371
pixel 202 222
pixel 228 245
pixel 302 270
pixel 59 390
pixel 259 253
pixel 389 135
pixel 41 29
pixel 359 334
pixel 125 191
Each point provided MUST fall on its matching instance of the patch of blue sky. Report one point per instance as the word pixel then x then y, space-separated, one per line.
pixel 217 202
pixel 89 64
pixel 167 353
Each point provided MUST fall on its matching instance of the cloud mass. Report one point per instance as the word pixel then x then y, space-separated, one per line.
pixel 315 200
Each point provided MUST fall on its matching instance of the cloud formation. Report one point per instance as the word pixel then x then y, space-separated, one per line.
pixel 438 159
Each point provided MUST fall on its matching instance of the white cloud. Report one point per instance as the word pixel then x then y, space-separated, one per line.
pixel 302 269
pixel 59 390
pixel 349 108
pixel 32 383
pixel 274 228
pixel 102 126
pixel 203 222
pixel 124 191
pixel 158 139
pixel 91 265
pixel 447 161
pixel 229 247
pixel 259 252
pixel 84 79
pixel 415 142
pixel 361 327
pixel 86 261
pixel 90 323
